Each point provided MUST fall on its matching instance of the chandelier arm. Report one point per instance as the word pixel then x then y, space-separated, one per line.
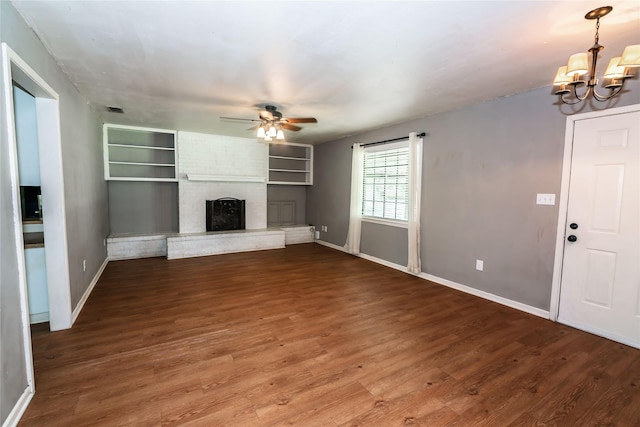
pixel 575 94
pixel 613 93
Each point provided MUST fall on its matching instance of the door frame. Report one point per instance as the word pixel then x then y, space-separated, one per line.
pixel 54 214
pixel 563 204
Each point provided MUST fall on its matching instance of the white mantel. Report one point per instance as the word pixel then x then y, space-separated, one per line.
pixel 215 166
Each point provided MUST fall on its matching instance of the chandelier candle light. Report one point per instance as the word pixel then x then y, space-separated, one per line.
pixel 620 68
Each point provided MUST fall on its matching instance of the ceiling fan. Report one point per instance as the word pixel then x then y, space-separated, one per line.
pixel 272 123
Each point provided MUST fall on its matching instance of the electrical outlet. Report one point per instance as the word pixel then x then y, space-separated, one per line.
pixel 84 265
pixel 325 228
pixel 479 265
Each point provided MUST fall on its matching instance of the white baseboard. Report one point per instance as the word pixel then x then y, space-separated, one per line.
pixel 385 263
pixel 332 246
pixel 458 286
pixel 488 296
pixel 18 410
pixel 83 300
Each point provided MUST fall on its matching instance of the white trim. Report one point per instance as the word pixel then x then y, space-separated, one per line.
pixel 142 129
pixel 385 263
pixel 448 283
pixel 488 296
pixel 332 246
pixel 18 410
pixel 50 148
pixel 599 332
pixel 563 204
pixel 86 294
pixel 54 213
pixel 7 54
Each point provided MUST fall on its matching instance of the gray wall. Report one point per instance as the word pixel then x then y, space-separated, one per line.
pixel 143 207
pixel 85 200
pixel 482 168
pixel 285 193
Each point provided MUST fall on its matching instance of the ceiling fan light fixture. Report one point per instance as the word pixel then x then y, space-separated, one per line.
pixel 271 124
pixel 619 69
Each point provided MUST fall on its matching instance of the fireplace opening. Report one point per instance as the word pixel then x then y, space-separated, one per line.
pixel 225 214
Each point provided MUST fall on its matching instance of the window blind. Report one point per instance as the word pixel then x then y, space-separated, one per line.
pixel 386 184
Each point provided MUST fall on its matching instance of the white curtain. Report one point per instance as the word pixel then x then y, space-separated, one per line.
pixel 355 209
pixel 415 191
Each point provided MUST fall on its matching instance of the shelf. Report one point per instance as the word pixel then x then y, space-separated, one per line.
pixel 287 183
pixel 139 154
pixel 128 178
pixel 290 164
pixel 143 164
pixel 290 158
pixel 289 170
pixel 144 147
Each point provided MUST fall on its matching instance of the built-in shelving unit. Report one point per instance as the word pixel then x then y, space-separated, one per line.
pixel 290 164
pixel 139 154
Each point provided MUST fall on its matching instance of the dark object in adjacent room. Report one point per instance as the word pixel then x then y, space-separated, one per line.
pixel 30 198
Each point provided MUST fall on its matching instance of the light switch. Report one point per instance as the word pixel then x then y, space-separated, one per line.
pixel 546 199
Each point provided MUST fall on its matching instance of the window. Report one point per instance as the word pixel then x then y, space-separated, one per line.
pixel 385 190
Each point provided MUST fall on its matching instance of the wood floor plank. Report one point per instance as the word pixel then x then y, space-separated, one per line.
pixel 311 336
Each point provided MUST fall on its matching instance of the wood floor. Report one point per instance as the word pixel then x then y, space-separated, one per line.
pixel 311 336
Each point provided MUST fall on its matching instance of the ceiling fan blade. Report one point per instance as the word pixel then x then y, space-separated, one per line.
pixel 254 127
pixel 291 127
pixel 237 119
pixel 302 120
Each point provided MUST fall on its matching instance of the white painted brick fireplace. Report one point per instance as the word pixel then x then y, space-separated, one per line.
pixel 215 166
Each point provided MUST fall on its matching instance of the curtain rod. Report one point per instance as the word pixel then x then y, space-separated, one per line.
pixel 391 140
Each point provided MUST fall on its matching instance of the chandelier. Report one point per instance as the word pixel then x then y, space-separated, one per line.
pixel 570 77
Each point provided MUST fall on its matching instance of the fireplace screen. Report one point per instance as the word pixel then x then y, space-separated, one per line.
pixel 225 214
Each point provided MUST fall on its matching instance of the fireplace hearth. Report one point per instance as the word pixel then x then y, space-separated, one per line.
pixel 225 214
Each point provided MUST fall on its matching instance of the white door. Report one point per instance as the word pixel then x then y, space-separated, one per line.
pixel 600 289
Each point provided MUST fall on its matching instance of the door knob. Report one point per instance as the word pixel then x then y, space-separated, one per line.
pixel 573 226
pixel 572 238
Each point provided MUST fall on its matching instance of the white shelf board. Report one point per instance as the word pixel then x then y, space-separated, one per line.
pixel 144 147
pixel 290 158
pixel 288 183
pixel 289 170
pixel 172 165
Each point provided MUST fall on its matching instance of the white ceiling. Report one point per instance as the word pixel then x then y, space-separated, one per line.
pixel 355 66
